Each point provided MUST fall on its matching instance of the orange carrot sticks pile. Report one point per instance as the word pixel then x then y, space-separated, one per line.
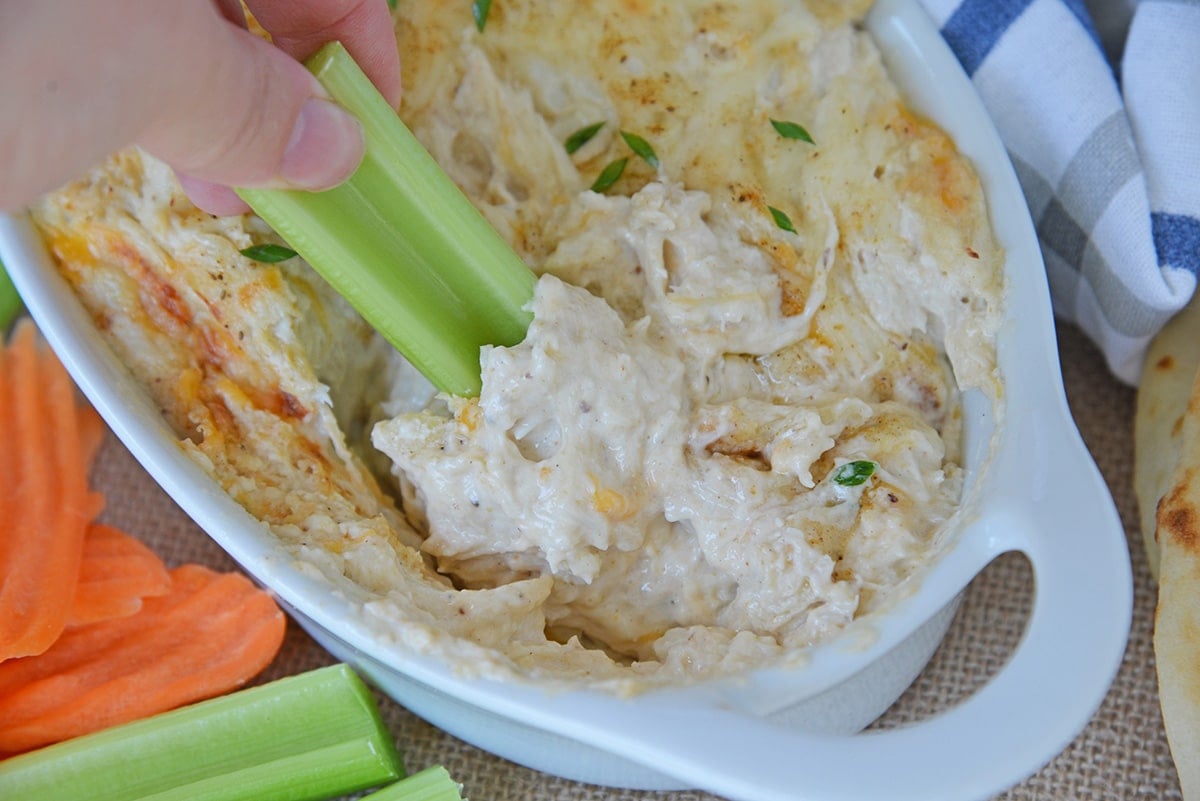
pixel 118 571
pixel 94 629
pixel 206 637
pixel 47 443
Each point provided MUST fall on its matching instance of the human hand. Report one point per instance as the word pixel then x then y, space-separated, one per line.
pixel 185 80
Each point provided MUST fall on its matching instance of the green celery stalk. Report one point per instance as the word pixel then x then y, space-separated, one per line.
pixel 10 301
pixel 431 784
pixel 306 737
pixel 403 244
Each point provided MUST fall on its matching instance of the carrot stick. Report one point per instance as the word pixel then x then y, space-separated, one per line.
pixel 45 505
pixel 117 572
pixel 212 633
pixel 91 436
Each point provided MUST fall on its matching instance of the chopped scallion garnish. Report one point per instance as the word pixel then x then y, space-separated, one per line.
pixel 781 219
pixel 403 244
pixel 391 4
pixel 640 146
pixel 311 736
pixel 269 253
pixel 792 130
pixel 582 136
pixel 609 175
pixel 852 474
pixel 480 9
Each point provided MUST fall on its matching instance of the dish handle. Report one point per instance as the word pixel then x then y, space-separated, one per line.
pixel 1029 712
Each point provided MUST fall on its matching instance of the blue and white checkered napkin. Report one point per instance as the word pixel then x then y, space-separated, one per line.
pixel 1099 106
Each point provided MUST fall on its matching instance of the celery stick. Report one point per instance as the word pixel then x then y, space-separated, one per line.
pixel 10 301
pixel 403 244
pixel 307 737
pixel 431 784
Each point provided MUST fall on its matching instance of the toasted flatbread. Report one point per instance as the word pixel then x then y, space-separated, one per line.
pixel 1177 620
pixel 1171 365
pixel 1167 483
pixel 1166 479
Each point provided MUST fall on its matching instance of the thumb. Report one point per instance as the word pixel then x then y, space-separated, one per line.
pixel 233 109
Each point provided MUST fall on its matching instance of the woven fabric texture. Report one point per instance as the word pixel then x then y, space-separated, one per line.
pixel 1122 754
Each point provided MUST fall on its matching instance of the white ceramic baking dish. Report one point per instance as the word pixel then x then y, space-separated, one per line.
pixel 777 733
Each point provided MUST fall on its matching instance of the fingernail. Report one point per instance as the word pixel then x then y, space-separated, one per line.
pixel 325 147
pixel 213 198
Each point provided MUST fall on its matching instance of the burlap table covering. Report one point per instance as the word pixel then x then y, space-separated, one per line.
pixel 1122 754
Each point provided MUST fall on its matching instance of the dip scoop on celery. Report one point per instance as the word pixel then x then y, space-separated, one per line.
pixel 403 244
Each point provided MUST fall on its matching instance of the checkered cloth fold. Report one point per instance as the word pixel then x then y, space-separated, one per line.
pixel 1099 107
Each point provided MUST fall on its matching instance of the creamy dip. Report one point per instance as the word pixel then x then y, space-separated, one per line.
pixel 735 422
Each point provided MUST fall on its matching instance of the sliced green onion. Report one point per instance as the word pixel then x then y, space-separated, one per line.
pixel 431 784
pixel 640 146
pixel 609 175
pixel 312 736
pixel 852 474
pixel 269 253
pixel 781 219
pixel 391 4
pixel 480 9
pixel 10 301
pixel 403 244
pixel 792 130
pixel 582 136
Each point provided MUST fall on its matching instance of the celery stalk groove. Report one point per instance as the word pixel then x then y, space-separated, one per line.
pixel 402 244
pixel 431 784
pixel 312 736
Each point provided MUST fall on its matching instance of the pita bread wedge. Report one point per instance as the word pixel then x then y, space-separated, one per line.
pixel 1166 480
pixel 1177 621
pixel 1171 365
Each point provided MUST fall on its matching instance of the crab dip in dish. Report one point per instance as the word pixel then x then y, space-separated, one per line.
pixel 735 423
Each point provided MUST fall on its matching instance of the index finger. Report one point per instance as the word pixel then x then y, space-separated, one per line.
pixel 300 27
